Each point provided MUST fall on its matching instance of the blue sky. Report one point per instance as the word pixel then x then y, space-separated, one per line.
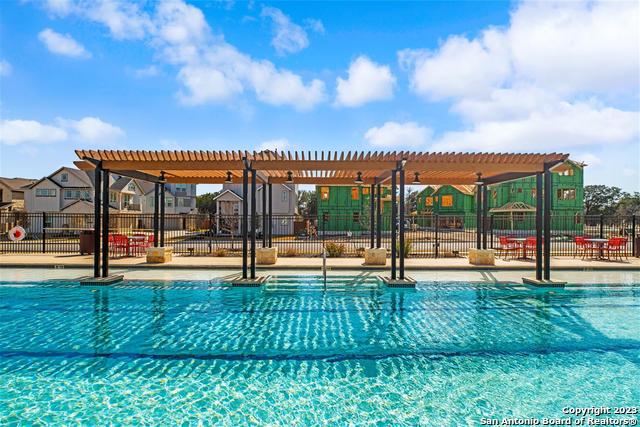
pixel 444 76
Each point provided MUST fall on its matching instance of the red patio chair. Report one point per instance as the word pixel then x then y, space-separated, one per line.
pixel 618 246
pixel 507 246
pixel 582 245
pixel 121 244
pixel 530 245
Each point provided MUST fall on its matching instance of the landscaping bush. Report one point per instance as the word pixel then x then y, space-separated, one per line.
pixel 408 247
pixel 221 252
pixel 291 252
pixel 334 250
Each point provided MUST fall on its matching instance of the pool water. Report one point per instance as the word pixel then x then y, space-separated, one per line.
pixel 297 353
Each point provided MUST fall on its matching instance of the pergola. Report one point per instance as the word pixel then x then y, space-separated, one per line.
pixel 323 168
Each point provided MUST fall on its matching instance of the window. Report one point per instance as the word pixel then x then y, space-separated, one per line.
pixel 113 197
pixel 182 187
pixel 533 192
pixel 356 217
pixel 169 202
pixel 71 194
pixel 566 193
pixel 126 200
pixel 64 177
pixel 494 194
pixel 131 186
pixel 519 189
pixel 46 192
pixel 325 216
pixel 365 191
pixel 355 194
pixel 568 172
pixel 428 201
pixel 284 196
pixel 324 193
pixel 183 202
pixel 447 201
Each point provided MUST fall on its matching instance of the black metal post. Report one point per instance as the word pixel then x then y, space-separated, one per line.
pixel 263 213
pixel 437 229
pixel 485 211
pixel 479 216
pixel 547 223
pixel 539 226
pixel 254 223
pixel 270 186
pixel 394 215
pixel 156 213
pixel 379 217
pixel 601 226
pixel 245 219
pixel 372 216
pixel 97 200
pixel 162 206
pixel 402 254
pixel 105 223
pixel 633 236
pixel 44 232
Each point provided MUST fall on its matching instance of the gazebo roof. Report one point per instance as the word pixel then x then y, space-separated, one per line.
pixel 513 207
pixel 319 167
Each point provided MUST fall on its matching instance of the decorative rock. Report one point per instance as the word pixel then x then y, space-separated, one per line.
pixel 376 256
pixel 266 256
pixel 159 255
pixel 482 257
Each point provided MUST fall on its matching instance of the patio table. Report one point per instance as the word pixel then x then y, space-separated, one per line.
pixel 522 241
pixel 599 244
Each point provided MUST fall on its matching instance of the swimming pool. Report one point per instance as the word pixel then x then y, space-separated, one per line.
pixel 295 353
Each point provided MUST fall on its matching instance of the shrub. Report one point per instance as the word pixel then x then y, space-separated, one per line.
pixel 291 252
pixel 334 250
pixel 408 247
pixel 221 252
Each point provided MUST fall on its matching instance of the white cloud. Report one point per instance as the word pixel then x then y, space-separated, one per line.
pixel 92 129
pixel 13 132
pixel 150 71
pixel 87 129
pixel 209 69
pixel 367 82
pixel 288 36
pixel 542 82
pixel 314 25
pixel 275 144
pixel 401 135
pixel 5 68
pixel 62 44
pixel 460 67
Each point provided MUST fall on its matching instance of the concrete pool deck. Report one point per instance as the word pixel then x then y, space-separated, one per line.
pixel 300 263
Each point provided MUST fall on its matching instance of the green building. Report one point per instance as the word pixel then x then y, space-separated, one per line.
pixel 346 209
pixel 511 204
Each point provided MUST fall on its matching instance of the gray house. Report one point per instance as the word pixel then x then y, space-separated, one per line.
pixel 229 208
pixel 12 193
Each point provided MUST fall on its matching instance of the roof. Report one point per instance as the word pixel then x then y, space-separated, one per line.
pixel 469 190
pixel 225 192
pixel 320 167
pixel 513 207
pixel 120 183
pixel 82 175
pixel 17 184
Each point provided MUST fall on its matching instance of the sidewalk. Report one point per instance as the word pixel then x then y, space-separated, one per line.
pixel 299 263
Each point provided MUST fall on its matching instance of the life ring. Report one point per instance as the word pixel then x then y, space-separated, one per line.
pixel 17 233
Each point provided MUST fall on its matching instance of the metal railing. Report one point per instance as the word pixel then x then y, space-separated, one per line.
pixel 346 234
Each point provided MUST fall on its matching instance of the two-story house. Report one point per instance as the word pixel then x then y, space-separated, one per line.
pixel 12 193
pixel 229 208
pixel 344 208
pixel 178 198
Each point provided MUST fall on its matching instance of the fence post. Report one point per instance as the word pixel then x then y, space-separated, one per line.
pixel 210 232
pixel 437 226
pixel 44 232
pixel 601 226
pixel 491 228
pixel 633 236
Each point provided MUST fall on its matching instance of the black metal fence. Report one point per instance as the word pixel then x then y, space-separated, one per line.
pixel 294 235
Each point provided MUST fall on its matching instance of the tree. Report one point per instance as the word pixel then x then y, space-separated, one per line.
pixel 307 203
pixel 629 204
pixel 601 199
pixel 206 203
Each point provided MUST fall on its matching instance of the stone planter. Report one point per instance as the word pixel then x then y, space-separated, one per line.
pixel 266 256
pixel 482 257
pixel 376 256
pixel 159 255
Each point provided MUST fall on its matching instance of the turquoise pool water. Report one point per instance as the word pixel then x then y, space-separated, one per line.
pixel 295 354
